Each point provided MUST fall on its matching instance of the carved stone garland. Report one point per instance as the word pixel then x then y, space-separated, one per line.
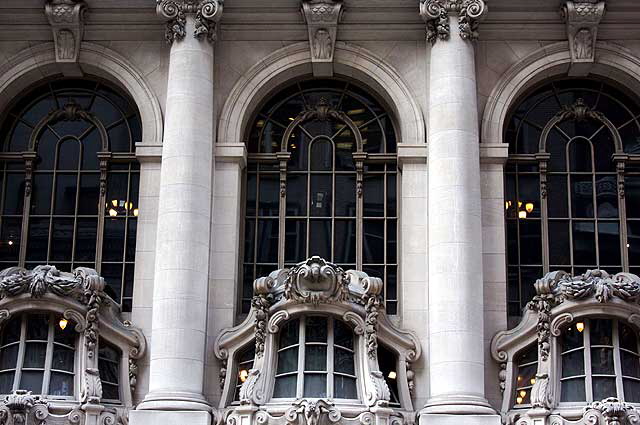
pixel 436 15
pixel 208 14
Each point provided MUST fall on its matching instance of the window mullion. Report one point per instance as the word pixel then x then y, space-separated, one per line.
pixel 586 342
pixel 21 352
pixel 617 364
pixel 359 158
pixel 104 164
pixel 283 157
pixel 622 214
pixel 543 163
pixel 29 158
pixel 46 377
pixel 330 371
pixel 302 347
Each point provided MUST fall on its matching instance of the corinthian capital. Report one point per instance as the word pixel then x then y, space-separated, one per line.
pixel 436 14
pixel 207 15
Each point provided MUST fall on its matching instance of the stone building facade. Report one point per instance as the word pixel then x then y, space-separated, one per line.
pixel 319 211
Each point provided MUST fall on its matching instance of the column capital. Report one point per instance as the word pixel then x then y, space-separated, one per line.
pixel 436 14
pixel 207 15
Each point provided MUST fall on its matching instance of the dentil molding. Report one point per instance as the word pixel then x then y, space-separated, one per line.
pixel 322 18
pixel 582 19
pixel 436 14
pixel 207 15
pixel 66 18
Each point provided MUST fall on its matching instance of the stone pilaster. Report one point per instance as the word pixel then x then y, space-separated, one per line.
pixel 177 355
pixel 456 343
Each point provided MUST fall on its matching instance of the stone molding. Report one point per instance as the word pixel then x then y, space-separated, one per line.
pixel 322 18
pixel 207 15
pixel 582 19
pixel 66 18
pixel 436 14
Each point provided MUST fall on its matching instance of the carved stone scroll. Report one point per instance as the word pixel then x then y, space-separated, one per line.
pixel 66 18
pixel 582 19
pixel 207 15
pixel 436 14
pixel 322 18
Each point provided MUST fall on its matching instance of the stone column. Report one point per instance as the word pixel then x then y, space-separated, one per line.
pixel 456 346
pixel 179 318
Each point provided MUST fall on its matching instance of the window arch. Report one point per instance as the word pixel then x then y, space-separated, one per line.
pixel 572 180
pixel 70 181
pixel 322 180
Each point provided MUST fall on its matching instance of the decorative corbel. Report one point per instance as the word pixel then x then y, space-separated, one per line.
pixel 436 15
pixel 322 18
pixel 582 19
pixel 207 15
pixel 66 18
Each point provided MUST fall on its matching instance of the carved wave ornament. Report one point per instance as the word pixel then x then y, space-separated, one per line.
pixel 316 287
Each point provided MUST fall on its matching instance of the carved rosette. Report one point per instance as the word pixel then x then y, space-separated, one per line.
pixel 207 15
pixel 436 14
pixel 582 19
pixel 322 18
pixel 66 18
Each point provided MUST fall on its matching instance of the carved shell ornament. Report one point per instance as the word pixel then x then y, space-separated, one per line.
pixel 316 280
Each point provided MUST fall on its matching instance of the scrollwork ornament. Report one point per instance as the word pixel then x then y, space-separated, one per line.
pixel 436 14
pixel 372 305
pixel 260 304
pixel 207 14
pixel 614 411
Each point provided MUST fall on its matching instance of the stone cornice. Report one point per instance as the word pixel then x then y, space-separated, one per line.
pixel 436 15
pixel 207 15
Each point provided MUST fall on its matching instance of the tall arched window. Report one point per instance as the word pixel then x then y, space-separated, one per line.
pixel 69 181
pixel 322 180
pixel 572 185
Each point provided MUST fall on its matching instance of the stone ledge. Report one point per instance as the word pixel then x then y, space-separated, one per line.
pixel 157 417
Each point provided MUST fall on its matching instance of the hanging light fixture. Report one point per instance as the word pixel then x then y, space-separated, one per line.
pixel 63 323
pixel 522 214
pixel 580 326
pixel 529 207
pixel 243 375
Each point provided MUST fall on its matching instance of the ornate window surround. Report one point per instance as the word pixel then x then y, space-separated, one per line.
pixel 561 300
pixel 316 287
pixel 77 296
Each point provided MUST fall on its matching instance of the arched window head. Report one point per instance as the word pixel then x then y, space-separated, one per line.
pixel 69 181
pixel 572 179
pixel 322 180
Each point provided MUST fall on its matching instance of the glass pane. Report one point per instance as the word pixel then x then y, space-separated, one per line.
pixel 392 209
pixel 529 194
pixel 35 353
pixel 31 381
pixel 342 334
pixel 66 336
pixel 117 186
pixel 373 188
pixel 607 196
pixel 609 244
pixel 344 387
pixel 268 234
pixel 6 382
pixel 631 390
pixel 580 155
pixel 581 196
pixel 321 196
pixel 62 239
pixel 296 195
pixel 320 238
pixel 557 192
pixel 602 361
pixel 630 364
pixel 573 390
pixel 132 231
pixel 61 384
pixel 343 361
pixel 112 274
pixel 632 196
pixel 601 330
pixel 110 392
pixel 109 371
pixel 69 154
pixel 346 195
pixel 392 245
pixel 628 338
pixel 604 388
pixel 316 329
pixel 559 248
pixel 62 359
pixel 285 386
pixel 345 242
pixel 9 357
pixel 11 331
pixel 37 327
pixel 41 193
pixel 91 144
pixel 89 194
pixel 573 364
pixel 113 242
pixel 321 155
pixel 295 240
pixel 373 244
pixel 315 358
pixel 65 201
pixel 46 150
pixel 10 237
pixel 14 194
pixel 315 385
pixel 584 243
pixel 531 238
pixel 252 181
pixel 289 334
pixel 633 242
pixel 269 195
pixel 108 352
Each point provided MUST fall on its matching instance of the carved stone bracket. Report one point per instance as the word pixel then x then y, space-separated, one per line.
pixel 322 18
pixel 612 410
pixel 207 15
pixel 66 18
pixel 582 19
pixel 436 14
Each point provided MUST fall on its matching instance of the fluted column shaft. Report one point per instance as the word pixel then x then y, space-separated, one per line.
pixel 456 355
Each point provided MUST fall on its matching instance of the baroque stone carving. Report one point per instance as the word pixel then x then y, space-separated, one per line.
pixel 582 19
pixel 322 18
pixel 613 411
pixel 316 280
pixel 309 412
pixel 435 13
pixel 92 386
pixel 380 395
pixel 66 18
pixel 579 111
pixel 207 15
pixel 249 393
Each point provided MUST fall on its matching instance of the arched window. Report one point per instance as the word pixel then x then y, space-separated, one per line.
pixel 69 182
pixel 38 354
pixel 572 184
pixel 322 180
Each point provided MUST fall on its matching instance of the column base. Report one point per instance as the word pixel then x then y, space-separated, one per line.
pixel 458 404
pixel 442 419
pixel 179 401
pixel 157 417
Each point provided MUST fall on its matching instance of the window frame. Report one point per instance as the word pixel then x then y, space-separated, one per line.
pixel 47 370
pixel 330 372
